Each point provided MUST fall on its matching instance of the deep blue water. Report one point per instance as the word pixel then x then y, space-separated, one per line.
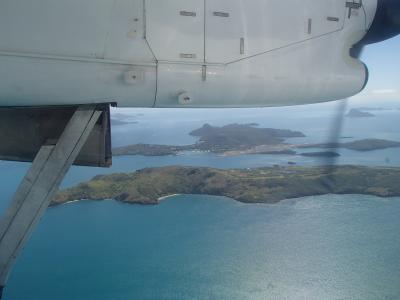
pixel 203 247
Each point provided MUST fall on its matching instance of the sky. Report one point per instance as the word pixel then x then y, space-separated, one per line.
pixel 383 61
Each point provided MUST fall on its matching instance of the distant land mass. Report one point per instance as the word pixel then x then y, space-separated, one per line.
pixel 375 108
pixel 232 137
pixel 237 139
pixel 262 185
pixel 321 154
pixel 150 150
pixel 357 113
pixel 237 136
pixel 118 122
pixel 118 119
pixel 360 145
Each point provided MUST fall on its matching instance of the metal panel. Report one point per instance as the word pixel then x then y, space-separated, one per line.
pixel 24 130
pixel 75 28
pixel 224 34
pixel 370 7
pixel 321 10
pixel 175 29
pixel 55 27
pixel 183 85
pixel 36 81
pixel 265 25
pixel 300 74
pixel 126 37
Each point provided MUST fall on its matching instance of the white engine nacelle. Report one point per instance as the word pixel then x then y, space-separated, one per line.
pixel 181 53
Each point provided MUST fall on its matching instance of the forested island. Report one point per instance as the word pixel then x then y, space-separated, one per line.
pixel 232 137
pixel 239 139
pixel 261 185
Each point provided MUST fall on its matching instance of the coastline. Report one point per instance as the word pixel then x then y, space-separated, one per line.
pixel 260 185
pixel 165 197
pixel 288 200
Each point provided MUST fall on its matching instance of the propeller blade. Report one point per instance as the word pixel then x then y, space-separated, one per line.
pixel 336 130
pixel 334 143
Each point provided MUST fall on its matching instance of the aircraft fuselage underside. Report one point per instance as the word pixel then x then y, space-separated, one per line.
pixel 181 53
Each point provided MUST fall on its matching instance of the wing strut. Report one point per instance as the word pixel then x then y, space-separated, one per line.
pixel 40 184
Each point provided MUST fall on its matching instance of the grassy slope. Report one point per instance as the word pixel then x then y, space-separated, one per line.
pixel 264 185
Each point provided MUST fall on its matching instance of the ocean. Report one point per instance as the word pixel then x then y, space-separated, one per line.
pixel 204 247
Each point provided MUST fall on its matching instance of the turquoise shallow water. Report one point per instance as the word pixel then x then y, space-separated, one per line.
pixel 199 247
pixel 203 247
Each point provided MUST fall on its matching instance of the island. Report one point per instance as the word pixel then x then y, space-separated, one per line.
pixel 240 137
pixel 118 119
pixel 150 150
pixel 247 139
pixel 261 185
pixel 357 113
pixel 360 145
pixel 366 108
pixel 232 139
pixel 320 154
pixel 117 122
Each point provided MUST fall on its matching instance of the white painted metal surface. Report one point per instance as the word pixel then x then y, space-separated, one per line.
pixel 225 53
pixel 266 25
pixel 69 28
pixel 99 29
pixel 265 79
pixel 175 29
pixel 34 81
pixel 126 34
pixel 370 10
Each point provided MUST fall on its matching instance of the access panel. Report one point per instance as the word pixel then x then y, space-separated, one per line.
pixel 175 29
pixel 237 29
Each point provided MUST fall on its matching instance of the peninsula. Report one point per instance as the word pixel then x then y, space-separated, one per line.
pixel 262 185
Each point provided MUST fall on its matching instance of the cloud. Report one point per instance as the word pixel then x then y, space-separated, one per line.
pixel 384 91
